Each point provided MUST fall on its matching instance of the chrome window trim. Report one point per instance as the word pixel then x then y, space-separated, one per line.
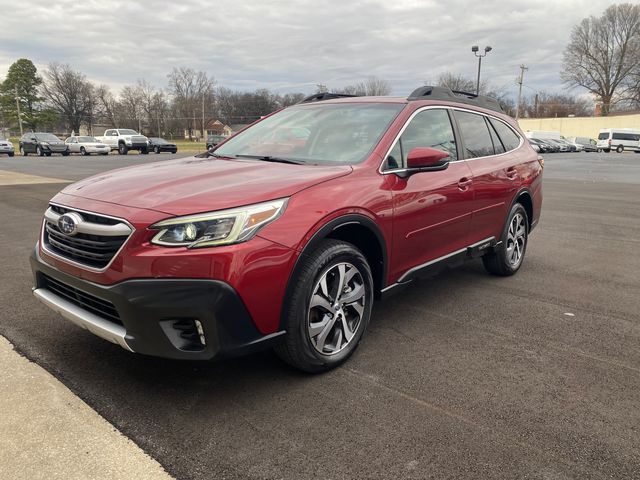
pixel 73 262
pixel 445 107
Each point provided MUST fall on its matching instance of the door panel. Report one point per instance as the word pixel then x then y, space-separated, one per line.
pixel 432 215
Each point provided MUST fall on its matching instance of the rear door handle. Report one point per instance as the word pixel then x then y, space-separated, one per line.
pixel 464 183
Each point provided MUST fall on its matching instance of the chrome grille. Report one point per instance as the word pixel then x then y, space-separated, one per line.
pixel 96 242
pixel 91 303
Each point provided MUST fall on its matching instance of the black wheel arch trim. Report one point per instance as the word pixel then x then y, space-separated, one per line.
pixel 523 190
pixel 325 232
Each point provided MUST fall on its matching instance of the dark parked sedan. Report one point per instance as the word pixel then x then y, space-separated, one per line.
pixel 158 145
pixel 42 144
pixel 213 140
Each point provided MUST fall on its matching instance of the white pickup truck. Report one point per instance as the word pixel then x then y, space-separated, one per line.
pixel 125 139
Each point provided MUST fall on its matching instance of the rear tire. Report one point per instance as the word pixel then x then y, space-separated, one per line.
pixel 144 151
pixel 329 307
pixel 508 256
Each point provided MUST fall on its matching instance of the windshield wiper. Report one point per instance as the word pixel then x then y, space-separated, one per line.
pixel 269 158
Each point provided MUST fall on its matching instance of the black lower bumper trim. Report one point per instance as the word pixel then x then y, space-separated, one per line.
pixel 146 308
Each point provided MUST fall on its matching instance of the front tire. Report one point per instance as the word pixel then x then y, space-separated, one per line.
pixel 157 150
pixel 508 255
pixel 122 149
pixel 39 151
pixel 329 307
pixel 23 153
pixel 83 151
pixel 619 149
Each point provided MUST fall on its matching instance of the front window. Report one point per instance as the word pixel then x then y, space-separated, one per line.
pixel 330 133
pixel 47 137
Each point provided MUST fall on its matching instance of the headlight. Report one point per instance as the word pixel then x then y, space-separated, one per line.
pixel 44 144
pixel 217 228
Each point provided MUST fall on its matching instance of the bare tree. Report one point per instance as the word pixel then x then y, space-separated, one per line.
pixel 107 105
pixel 372 86
pixel 551 105
pixel 458 82
pixel 71 94
pixel 189 88
pixel 604 52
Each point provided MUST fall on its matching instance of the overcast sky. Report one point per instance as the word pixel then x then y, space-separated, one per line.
pixel 291 46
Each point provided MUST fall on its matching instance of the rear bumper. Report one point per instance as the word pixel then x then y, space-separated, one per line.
pixel 155 316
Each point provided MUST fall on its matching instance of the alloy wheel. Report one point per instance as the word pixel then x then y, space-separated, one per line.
pixel 516 238
pixel 336 308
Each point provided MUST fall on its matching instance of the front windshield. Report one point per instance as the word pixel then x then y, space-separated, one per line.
pixel 87 140
pixel 47 137
pixel 126 131
pixel 330 133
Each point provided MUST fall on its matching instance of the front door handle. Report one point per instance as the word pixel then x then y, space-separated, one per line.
pixel 464 183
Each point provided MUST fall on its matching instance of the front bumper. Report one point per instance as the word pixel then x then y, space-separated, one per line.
pixel 154 316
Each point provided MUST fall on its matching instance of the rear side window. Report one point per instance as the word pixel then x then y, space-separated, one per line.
pixel 475 135
pixel 510 140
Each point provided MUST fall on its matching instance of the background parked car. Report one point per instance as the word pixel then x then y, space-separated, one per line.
pixel 42 144
pixel 86 145
pixel 158 145
pixel 587 144
pixel 6 147
pixel 546 146
pixel 213 140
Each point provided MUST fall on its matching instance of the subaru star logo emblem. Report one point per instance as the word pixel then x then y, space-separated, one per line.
pixel 68 223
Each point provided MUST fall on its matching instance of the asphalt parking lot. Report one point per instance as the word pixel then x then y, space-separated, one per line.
pixel 461 376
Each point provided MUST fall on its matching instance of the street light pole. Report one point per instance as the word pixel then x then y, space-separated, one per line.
pixel 480 56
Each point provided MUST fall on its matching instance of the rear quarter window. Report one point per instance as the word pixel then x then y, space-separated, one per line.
pixel 509 138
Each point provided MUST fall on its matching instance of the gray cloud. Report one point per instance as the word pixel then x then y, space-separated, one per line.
pixel 291 46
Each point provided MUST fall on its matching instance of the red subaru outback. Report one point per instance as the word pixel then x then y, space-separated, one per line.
pixel 285 240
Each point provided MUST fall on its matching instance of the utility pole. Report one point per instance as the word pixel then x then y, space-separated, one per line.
pixel 203 116
pixel 536 105
pixel 15 90
pixel 523 67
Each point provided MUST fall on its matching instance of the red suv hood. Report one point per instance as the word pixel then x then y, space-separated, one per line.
pixel 193 185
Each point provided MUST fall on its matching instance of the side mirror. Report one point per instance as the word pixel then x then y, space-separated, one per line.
pixel 423 159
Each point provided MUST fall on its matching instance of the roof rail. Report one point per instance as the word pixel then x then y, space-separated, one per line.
pixel 445 93
pixel 318 97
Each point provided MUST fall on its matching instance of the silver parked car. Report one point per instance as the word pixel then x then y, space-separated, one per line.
pixel 6 147
pixel 85 145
